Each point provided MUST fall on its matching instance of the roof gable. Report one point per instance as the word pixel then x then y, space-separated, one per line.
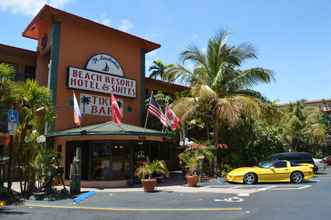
pixel 31 31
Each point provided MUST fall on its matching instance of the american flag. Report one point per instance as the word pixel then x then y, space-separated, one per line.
pixel 155 109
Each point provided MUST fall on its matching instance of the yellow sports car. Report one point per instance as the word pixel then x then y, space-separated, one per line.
pixel 274 171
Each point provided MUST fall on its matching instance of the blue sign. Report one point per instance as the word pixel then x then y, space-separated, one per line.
pixel 13 116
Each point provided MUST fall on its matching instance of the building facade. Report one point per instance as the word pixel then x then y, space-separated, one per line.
pixel 78 55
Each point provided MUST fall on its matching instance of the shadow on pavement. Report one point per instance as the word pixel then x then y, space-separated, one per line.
pixel 8 211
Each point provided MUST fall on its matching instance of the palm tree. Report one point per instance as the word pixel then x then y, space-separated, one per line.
pixel 219 87
pixel 158 70
pixel 34 105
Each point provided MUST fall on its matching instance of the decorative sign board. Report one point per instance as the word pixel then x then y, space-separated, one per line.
pixel 104 63
pixel 99 82
pixel 96 105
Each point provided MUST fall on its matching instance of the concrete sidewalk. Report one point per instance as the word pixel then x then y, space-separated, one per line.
pixel 184 189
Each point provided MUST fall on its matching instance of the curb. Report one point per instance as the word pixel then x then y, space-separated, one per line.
pixel 89 208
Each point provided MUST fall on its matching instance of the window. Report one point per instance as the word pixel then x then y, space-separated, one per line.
pixel 280 164
pixel 294 164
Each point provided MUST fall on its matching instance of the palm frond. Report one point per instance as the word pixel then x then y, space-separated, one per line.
pixel 180 73
pixel 251 77
pixel 195 55
pixel 184 107
pixel 243 52
pixel 231 108
pixel 203 91
pixel 250 92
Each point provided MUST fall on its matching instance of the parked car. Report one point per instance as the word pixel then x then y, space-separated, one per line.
pixel 321 165
pixel 296 157
pixel 272 171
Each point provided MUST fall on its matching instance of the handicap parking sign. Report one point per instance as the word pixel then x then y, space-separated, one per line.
pixel 13 116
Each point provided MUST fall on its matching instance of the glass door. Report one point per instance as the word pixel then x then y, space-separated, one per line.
pixel 120 161
pixel 102 161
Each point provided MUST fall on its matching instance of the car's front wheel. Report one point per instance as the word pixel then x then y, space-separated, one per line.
pixel 297 177
pixel 250 178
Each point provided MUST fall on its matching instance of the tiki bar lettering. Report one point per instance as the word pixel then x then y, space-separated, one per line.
pixel 96 105
pixel 99 82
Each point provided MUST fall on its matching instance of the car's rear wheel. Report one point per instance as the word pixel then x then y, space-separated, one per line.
pixel 250 178
pixel 297 177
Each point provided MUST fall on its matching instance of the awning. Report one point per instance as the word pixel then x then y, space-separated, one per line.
pixel 109 128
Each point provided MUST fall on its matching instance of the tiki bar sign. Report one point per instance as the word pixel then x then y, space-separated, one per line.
pixel 102 74
pixel 96 105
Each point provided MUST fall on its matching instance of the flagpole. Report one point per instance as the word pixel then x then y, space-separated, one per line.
pixel 147 114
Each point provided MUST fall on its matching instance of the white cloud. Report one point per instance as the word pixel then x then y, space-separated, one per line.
pixel 29 7
pixel 125 25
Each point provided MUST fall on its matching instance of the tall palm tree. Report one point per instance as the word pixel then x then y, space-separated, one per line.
pixel 220 88
pixel 158 70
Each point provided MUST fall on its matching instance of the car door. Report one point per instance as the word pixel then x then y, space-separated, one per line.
pixel 280 171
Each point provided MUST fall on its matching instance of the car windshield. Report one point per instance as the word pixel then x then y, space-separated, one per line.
pixel 265 164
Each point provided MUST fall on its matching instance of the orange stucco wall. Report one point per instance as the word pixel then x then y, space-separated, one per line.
pixel 77 44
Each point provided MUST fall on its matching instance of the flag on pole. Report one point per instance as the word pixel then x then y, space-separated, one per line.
pixel 172 119
pixel 155 109
pixel 77 113
pixel 116 111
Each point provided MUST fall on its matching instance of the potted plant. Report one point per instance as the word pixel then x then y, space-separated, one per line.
pixel 191 158
pixel 146 171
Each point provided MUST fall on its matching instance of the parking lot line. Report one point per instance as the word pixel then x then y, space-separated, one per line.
pixel 305 187
pixel 291 188
pixel 266 188
pixel 88 208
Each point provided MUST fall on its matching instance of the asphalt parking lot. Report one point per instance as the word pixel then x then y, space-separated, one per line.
pixel 310 200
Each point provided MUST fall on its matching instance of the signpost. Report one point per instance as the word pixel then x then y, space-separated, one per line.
pixel 12 125
pixel 12 121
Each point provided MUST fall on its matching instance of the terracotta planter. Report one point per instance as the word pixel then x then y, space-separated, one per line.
pixel 192 181
pixel 149 184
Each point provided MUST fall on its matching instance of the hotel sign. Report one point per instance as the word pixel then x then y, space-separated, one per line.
pixel 104 63
pixel 96 105
pixel 102 74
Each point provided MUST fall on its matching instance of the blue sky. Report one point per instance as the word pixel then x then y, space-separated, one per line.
pixel 293 38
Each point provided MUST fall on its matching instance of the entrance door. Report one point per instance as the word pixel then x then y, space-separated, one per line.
pixel 110 161
pixel 101 161
pixel 120 161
